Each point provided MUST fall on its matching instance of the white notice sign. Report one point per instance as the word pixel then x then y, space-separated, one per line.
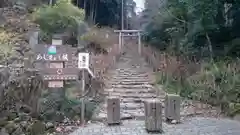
pixel 83 60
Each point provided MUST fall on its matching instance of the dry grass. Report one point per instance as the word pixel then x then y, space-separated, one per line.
pixel 101 37
pixel 6 44
pixel 216 83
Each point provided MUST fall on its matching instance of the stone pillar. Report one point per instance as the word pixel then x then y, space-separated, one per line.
pixel 122 41
pixel 153 115
pixel 113 110
pixel 139 43
pixel 119 42
pixel 33 38
pixel 172 108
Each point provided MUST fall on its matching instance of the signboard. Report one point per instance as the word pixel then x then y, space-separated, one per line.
pixel 60 74
pixel 54 53
pixel 50 57
pixel 52 50
pixel 57 63
pixel 57 41
pixel 83 60
pixel 55 84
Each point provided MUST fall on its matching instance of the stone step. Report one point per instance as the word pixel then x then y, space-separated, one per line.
pixel 149 95
pixel 130 91
pixel 125 114
pixel 130 75
pixel 139 100
pixel 131 86
pixel 139 80
pixel 134 113
pixel 129 106
pixel 119 76
pixel 132 71
pixel 128 83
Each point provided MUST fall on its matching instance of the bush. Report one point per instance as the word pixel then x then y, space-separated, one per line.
pixel 61 17
pixel 6 47
pixel 216 83
pixel 101 37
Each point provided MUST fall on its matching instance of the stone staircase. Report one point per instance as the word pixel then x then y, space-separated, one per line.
pixel 131 80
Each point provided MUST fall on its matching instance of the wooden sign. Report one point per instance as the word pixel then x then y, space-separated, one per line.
pixel 57 62
pixel 60 74
pixel 60 54
pixel 43 49
pixel 55 84
pixel 65 54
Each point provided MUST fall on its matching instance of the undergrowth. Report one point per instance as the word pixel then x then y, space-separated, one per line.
pixel 215 83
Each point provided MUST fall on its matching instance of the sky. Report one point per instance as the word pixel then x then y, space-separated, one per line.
pixel 140 5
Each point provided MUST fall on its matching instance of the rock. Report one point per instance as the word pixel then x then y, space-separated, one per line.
pixel 25 109
pixel 24 124
pixel 37 128
pixel 24 117
pixel 49 125
pixel 12 115
pixel 173 122
pixel 18 131
pixel 76 118
pixel 11 126
pixel 17 120
pixel 3 121
pixel 52 115
pixel 237 117
pixel 3 132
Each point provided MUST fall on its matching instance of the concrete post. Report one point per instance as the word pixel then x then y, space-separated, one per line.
pixel 153 115
pixel 113 110
pixel 172 107
pixel 139 43
pixel 119 41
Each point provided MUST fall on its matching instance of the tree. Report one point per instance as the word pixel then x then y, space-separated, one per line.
pixel 191 26
pixel 106 12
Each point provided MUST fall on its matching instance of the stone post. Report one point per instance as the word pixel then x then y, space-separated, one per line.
pixel 33 38
pixel 153 115
pixel 119 41
pixel 172 108
pixel 113 110
pixel 139 43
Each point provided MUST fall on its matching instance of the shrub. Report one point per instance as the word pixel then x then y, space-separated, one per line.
pixel 6 47
pixel 61 17
pixel 101 37
pixel 216 83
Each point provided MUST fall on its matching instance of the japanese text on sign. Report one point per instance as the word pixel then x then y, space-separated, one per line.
pixel 47 57
pixel 83 60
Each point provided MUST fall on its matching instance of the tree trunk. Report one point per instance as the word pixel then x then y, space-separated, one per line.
pixel 209 46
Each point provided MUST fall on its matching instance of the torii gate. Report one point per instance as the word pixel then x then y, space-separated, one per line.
pixel 125 33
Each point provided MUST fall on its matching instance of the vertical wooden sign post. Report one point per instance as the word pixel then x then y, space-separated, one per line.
pixel 83 63
pixel 59 63
pixel 56 41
